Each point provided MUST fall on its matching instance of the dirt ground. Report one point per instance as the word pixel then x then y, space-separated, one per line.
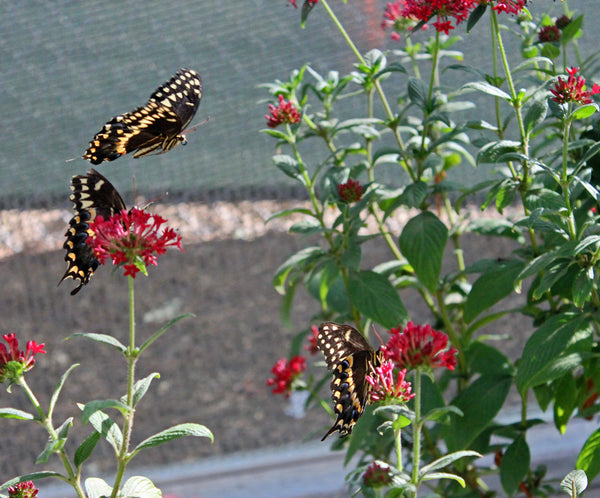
pixel 213 367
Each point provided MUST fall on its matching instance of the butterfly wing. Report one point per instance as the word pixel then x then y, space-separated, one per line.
pixel 93 195
pixel 351 358
pixel 157 126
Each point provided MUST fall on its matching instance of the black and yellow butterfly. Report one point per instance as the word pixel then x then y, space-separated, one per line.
pixel 157 126
pixel 93 195
pixel 351 358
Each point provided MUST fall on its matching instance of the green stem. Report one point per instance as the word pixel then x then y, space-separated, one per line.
pixel 416 456
pixel 46 422
pixel 123 456
pixel 398 435
pixel 564 177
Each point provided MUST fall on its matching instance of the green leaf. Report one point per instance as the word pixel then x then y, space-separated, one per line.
pixel 589 456
pixel 515 465
pixel 35 476
pixel 545 356
pixel 583 286
pixel 574 483
pixel 101 404
pixel 487 360
pixel 97 488
pixel 57 390
pixel 417 92
pixel 140 388
pixel 446 460
pixel 565 401
pixel 482 86
pixel 307 7
pixel 160 332
pixel 52 445
pixel 174 432
pixel 288 165
pixel 140 487
pixel 102 338
pixel 14 413
pixel 296 262
pixel 491 287
pixel 422 242
pixel 535 115
pixel 375 297
pixel 584 111
pixel 494 151
pixel 475 16
pixel 490 391
pixel 85 449
pixel 107 428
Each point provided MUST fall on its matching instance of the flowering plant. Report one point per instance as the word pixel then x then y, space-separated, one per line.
pixel 403 153
pixel 131 240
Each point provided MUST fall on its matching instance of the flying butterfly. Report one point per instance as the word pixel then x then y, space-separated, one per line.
pixel 93 195
pixel 156 127
pixel 351 358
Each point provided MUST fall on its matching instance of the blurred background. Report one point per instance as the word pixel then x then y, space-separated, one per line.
pixel 68 67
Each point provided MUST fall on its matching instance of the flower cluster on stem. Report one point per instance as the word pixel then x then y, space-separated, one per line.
pixel 14 362
pixel 23 490
pixel 285 374
pixel 386 388
pixel 284 113
pixel 573 89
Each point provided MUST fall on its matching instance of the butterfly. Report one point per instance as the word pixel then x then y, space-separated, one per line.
pixel 351 358
pixel 93 195
pixel 157 126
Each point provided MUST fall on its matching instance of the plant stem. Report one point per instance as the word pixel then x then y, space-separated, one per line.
pixel 123 456
pixel 416 454
pixel 73 478
pixel 564 177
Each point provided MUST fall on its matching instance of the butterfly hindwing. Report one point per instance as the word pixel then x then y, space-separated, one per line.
pixel 93 195
pixel 157 126
pixel 351 358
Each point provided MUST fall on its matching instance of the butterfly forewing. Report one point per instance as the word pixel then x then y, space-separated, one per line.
pixel 157 126
pixel 92 196
pixel 351 358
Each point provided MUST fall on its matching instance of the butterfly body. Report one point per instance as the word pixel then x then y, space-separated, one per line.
pixel 155 127
pixel 351 358
pixel 93 195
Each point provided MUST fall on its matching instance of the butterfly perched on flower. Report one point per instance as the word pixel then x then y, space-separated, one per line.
pixel 92 196
pixel 155 127
pixel 351 358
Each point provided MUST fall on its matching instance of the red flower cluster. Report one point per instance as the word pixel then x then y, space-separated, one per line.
pixel 284 113
pixel 572 90
pixel 312 348
pixel 310 2
pixel 23 490
pixel 377 476
pixel 509 6
pixel 563 21
pixel 351 191
pixel 131 238
pixel 385 388
pixel 285 373
pixel 418 345
pixel 445 11
pixel 549 34
pixel 14 362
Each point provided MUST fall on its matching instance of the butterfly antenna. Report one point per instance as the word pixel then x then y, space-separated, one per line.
pixel 191 130
pixel 378 336
pixel 156 199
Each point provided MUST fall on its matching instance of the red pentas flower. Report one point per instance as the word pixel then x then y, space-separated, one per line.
pixel 284 113
pixel 419 345
pixel 14 362
pixel 377 475
pixel 508 6
pixel 285 373
pixel 446 12
pixel 351 191
pixel 132 239
pixel 572 90
pixel 563 21
pixel 549 34
pixel 23 490
pixel 387 389
pixel 312 348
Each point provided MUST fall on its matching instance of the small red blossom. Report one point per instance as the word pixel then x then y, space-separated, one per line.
pixel 131 238
pixel 23 490
pixel 572 90
pixel 562 22
pixel 508 6
pixel 549 34
pixel 448 13
pixel 312 348
pixel 387 389
pixel 284 113
pixel 351 191
pixel 377 475
pixel 14 362
pixel 285 373
pixel 418 345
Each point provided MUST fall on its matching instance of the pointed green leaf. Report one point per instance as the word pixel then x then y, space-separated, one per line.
pixel 417 92
pixel 52 446
pixel 565 401
pixel 589 456
pixel 140 388
pixel 101 404
pixel 482 86
pixel 475 16
pixel 584 111
pixel 515 464
pixel 160 332
pixel 375 297
pixel 97 488
pixel 422 242
pixel 85 449
pixel 14 413
pixel 535 115
pixel 57 390
pixel 446 460
pixel 174 432
pixel 102 338
pixel 140 487
pixel 574 483
pixel 35 476
pixel 107 427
